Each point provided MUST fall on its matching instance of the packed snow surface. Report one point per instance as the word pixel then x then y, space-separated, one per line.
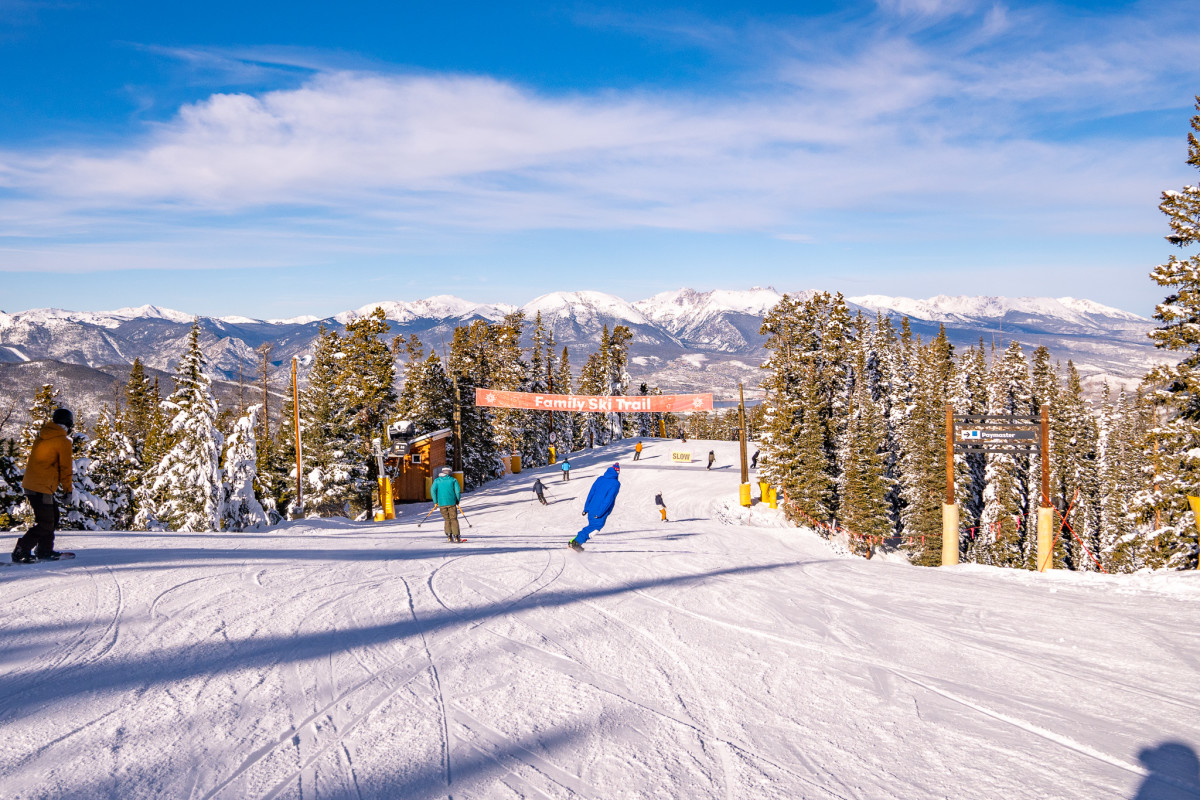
pixel 720 654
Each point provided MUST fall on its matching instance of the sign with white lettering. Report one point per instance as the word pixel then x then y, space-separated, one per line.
pixel 494 398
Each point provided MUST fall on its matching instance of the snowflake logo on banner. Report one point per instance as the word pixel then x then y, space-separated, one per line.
pixel 697 402
pixel 491 397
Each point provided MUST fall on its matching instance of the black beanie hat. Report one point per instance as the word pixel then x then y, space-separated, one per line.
pixel 63 417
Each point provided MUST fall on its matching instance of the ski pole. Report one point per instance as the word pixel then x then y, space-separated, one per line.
pixel 422 522
pixel 464 516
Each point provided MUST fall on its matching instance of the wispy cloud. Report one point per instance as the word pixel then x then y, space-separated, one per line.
pixel 894 123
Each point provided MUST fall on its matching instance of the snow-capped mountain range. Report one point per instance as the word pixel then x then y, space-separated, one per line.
pixel 682 339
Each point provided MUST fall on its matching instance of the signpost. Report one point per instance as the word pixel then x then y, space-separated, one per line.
pixel 998 434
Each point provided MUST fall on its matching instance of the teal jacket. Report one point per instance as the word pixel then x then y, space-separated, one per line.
pixel 445 491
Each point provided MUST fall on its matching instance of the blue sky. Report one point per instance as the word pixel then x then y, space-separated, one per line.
pixel 275 159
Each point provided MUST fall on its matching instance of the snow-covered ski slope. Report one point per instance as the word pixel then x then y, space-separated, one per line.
pixel 719 655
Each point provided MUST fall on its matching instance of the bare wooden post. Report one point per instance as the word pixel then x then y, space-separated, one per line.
pixel 1045 513
pixel 949 507
pixel 299 460
pixel 744 486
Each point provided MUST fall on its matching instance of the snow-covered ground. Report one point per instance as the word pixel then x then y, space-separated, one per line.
pixel 722 654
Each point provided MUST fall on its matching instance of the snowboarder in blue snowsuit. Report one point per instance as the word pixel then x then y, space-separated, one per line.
pixel 599 504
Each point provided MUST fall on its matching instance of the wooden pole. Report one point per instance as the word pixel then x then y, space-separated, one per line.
pixel 742 433
pixel 1045 514
pixel 1045 456
pixel 299 459
pixel 949 508
pixel 949 454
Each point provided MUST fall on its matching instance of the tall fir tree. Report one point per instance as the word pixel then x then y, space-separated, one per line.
pixel 185 487
pixel 114 468
pixel 1177 387
pixel 242 510
pixel 1007 527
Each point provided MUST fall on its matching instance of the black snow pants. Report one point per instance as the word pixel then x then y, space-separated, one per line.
pixel 40 538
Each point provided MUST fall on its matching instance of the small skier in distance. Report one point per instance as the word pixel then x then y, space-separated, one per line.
pixel 754 460
pixel 712 457
pixel 538 488
pixel 566 470
pixel 683 435
pixel 662 507
pixel 599 504
pixel 637 451
pixel 49 468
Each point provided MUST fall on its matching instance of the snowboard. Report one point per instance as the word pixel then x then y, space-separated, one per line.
pixel 63 556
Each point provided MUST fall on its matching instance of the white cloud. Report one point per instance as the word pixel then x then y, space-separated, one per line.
pixel 889 124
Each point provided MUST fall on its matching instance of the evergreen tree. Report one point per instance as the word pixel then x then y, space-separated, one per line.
pixel 863 449
pixel 12 497
pixel 508 373
pixel 535 449
pixel 970 397
pixel 184 489
pixel 1177 387
pixel 335 467
pixel 114 469
pixel 45 401
pixel 368 373
pixel 1008 534
pixel 568 425
pixel 242 511
pixel 471 368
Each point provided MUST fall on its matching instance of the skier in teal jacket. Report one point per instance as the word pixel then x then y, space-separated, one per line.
pixel 446 494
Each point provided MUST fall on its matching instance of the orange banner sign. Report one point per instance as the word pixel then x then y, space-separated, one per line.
pixel 493 398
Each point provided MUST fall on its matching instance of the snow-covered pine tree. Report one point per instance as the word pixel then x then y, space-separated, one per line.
pixel 242 510
pixel 923 459
pixel 970 397
pixel 1075 473
pixel 1008 531
pixel 45 401
pixel 137 419
pixel 509 373
pixel 432 404
pixel 184 487
pixel 593 380
pixel 861 453
pixel 535 447
pixel 12 497
pixel 1126 480
pixel 1177 387
pixel 84 509
pixel 334 463
pixel 114 469
pixel 785 331
pixel 368 372
pixel 470 366
pixel 619 379
pixel 568 425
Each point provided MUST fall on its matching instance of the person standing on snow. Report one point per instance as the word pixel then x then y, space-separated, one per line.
pixel 446 494
pixel 662 507
pixel 637 451
pixel 754 460
pixel 712 457
pixel 49 468
pixel 538 488
pixel 566 470
pixel 599 504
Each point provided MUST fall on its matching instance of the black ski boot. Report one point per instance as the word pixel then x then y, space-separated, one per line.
pixel 22 556
pixel 574 545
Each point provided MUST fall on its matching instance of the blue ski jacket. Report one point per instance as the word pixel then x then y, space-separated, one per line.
pixel 445 491
pixel 603 494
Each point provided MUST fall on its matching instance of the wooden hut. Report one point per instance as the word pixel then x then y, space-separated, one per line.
pixel 413 461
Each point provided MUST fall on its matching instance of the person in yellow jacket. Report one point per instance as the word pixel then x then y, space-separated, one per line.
pixel 48 469
pixel 637 451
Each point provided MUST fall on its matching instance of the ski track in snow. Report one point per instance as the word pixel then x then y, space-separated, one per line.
pixel 720 655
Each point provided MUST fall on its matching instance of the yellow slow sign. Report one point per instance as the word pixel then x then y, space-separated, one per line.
pixel 681 456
